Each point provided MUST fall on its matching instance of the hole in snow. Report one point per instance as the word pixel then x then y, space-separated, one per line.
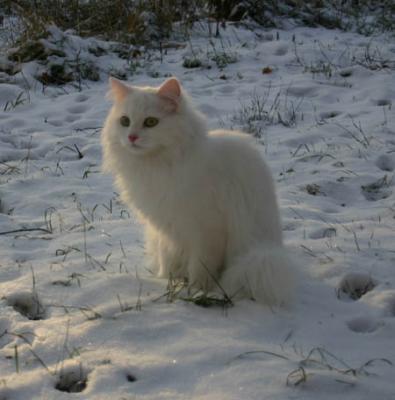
pixel 354 285
pixel 28 304
pixel 345 73
pixel 383 102
pixel 72 380
pixel 131 378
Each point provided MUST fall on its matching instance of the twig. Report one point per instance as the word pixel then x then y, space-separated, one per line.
pixel 25 230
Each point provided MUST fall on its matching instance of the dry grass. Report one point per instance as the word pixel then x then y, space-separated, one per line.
pixel 138 21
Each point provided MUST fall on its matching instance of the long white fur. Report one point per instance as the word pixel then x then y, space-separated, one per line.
pixel 206 199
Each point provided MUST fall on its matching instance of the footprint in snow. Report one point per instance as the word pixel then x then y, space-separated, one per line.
pixel 363 325
pixel 281 50
pixel 323 233
pixel 303 91
pixel 377 190
pixel 209 110
pixel 291 226
pixel 329 114
pixel 386 162
pixel 78 109
pixel 343 192
pixel 56 123
pixel 354 285
pixel 81 98
pixel 13 123
pixel 72 118
pixel 226 89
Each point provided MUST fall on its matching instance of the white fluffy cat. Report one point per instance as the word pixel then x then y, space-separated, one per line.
pixel 206 199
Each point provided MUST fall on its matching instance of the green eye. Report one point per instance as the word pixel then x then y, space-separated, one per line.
pixel 150 122
pixel 124 120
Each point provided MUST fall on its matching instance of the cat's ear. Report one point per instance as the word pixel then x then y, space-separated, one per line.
pixel 118 89
pixel 171 91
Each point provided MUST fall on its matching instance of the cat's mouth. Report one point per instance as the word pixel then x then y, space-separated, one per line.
pixel 136 144
pixel 137 147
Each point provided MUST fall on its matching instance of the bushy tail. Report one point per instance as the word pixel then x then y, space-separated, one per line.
pixel 265 274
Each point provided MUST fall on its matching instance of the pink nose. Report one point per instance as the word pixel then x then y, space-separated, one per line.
pixel 133 138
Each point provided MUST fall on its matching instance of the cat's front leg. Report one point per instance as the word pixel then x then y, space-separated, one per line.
pixel 167 259
pixel 152 247
pixel 171 259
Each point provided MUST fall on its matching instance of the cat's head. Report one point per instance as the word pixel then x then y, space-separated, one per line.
pixel 148 121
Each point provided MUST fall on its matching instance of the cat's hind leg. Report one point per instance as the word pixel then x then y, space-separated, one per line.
pixel 205 265
pixel 265 273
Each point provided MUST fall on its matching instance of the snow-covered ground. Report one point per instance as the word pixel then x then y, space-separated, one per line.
pixel 79 311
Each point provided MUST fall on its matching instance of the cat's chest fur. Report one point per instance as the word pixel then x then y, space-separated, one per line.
pixel 170 194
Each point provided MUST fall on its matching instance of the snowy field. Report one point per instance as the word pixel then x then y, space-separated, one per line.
pixel 80 312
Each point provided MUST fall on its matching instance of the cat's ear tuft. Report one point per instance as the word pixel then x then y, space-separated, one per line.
pixel 118 89
pixel 171 90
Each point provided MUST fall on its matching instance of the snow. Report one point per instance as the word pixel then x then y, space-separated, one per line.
pixel 77 301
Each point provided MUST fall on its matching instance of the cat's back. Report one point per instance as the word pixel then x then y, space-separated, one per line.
pixel 235 150
pixel 228 137
pixel 246 186
pixel 237 162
